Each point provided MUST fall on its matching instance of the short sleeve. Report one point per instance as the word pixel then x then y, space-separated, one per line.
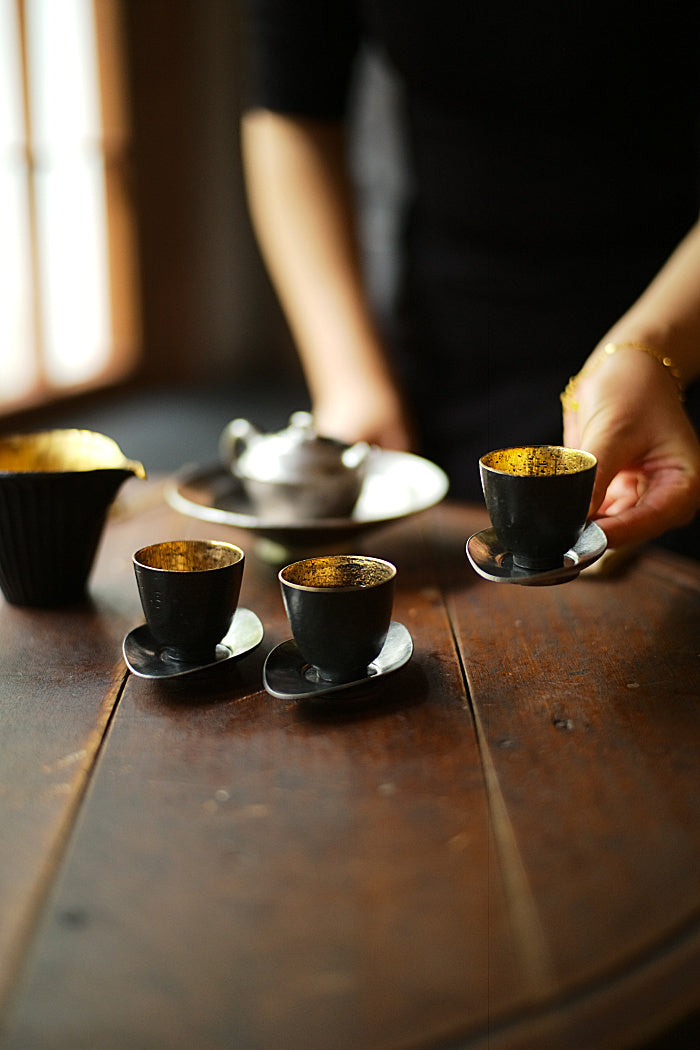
pixel 300 55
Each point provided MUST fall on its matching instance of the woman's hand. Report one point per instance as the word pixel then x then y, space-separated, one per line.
pixel 630 417
pixel 370 412
pixel 302 205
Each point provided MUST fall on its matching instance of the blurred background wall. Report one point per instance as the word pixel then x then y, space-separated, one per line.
pixel 207 305
pixel 212 340
pixel 207 302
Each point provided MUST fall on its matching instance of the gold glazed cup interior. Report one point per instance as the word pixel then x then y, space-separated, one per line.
pixel 63 451
pixel 189 555
pixel 338 571
pixel 538 460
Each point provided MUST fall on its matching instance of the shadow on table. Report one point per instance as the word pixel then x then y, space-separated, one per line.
pixel 404 689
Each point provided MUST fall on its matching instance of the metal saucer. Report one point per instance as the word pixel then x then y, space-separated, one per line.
pixel 494 563
pixel 287 676
pixel 147 660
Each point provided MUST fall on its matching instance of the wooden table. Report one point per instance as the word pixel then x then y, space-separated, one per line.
pixel 497 847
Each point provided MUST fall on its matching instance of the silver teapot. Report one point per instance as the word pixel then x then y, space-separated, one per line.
pixel 294 475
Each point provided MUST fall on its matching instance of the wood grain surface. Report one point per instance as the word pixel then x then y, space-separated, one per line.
pixel 495 847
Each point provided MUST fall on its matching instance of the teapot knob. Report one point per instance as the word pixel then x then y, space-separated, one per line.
pixel 234 440
pixel 303 421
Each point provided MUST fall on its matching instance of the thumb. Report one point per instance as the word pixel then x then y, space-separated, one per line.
pixel 605 472
pixel 612 456
pixel 597 446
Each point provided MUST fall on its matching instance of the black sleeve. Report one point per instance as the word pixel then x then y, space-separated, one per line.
pixel 300 55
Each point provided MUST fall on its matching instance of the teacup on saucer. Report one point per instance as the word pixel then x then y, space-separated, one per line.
pixel 538 497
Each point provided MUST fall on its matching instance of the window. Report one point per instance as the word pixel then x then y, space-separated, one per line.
pixel 67 259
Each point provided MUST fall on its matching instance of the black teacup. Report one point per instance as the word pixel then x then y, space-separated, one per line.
pixel 189 591
pixel 339 609
pixel 537 497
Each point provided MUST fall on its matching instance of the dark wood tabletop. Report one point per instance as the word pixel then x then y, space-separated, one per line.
pixel 496 847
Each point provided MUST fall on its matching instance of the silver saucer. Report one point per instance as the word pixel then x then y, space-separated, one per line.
pixel 147 660
pixel 287 676
pixel 494 563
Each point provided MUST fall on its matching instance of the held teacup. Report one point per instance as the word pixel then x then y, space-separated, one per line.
pixel 189 591
pixel 339 609
pixel 537 497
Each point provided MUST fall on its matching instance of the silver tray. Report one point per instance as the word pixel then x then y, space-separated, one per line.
pixel 397 485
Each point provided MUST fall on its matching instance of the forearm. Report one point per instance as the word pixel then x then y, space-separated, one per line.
pixel 301 207
pixel 667 315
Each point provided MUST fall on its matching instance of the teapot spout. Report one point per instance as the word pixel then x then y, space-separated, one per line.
pixel 356 455
pixel 132 466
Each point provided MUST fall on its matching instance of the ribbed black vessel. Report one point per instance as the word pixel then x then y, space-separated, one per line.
pixel 50 528
pixel 55 489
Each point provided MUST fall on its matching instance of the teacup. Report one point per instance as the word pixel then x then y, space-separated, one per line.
pixel 56 487
pixel 339 609
pixel 537 497
pixel 189 591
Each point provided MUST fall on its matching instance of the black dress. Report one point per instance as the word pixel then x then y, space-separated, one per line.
pixel 554 169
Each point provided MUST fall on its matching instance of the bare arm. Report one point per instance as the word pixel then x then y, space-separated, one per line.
pixel 625 407
pixel 301 205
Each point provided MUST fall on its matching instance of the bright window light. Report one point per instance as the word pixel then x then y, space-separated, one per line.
pixel 68 294
pixel 17 335
pixel 71 216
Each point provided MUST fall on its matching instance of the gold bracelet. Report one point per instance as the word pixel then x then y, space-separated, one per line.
pixel 568 395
